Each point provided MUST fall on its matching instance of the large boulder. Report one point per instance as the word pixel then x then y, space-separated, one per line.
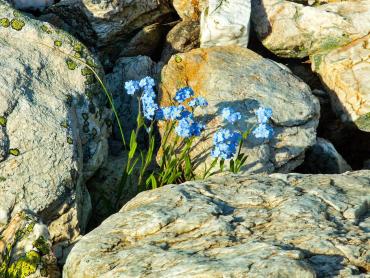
pixel 53 135
pixel 225 23
pixel 237 77
pixel 295 30
pixel 236 226
pixel 111 20
pixel 346 73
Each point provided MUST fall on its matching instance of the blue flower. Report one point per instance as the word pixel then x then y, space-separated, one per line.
pixel 187 127
pixel 183 94
pixel 263 114
pixel 263 131
pixel 148 102
pixel 147 82
pixel 230 115
pixel 173 112
pixel 225 143
pixel 199 101
pixel 131 87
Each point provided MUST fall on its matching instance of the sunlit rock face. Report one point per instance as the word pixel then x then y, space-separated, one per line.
pixel 32 4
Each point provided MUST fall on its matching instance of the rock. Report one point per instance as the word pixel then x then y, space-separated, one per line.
pixel 189 10
pixel 32 4
pixel 323 158
pixel 110 20
pixel 182 38
pixel 250 82
pixel 293 30
pixel 346 73
pixel 25 249
pixel 125 69
pixel 53 132
pixel 235 226
pixel 225 23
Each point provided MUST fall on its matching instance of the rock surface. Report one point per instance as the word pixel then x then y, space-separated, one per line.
pixel 225 23
pixel 323 158
pixel 25 249
pixel 294 30
pixel 346 73
pixel 52 117
pixel 182 38
pixel 237 77
pixel 236 226
pixel 111 20
pixel 190 9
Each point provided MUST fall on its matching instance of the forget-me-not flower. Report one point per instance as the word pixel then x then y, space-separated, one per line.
pixel 263 114
pixel 225 143
pixel 230 115
pixel 187 127
pixel 131 87
pixel 198 102
pixel 183 94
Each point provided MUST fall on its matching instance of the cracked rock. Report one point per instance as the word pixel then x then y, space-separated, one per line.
pixel 235 226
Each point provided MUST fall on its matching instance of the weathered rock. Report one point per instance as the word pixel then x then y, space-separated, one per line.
pixel 323 158
pixel 346 73
pixel 125 69
pixel 53 135
pixel 236 226
pixel 189 9
pixel 225 23
pixel 25 249
pixel 32 4
pixel 293 30
pixel 238 78
pixel 110 20
pixel 182 38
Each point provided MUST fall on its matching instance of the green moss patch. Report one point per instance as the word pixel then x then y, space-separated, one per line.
pixel 3 121
pixel 17 24
pixel 4 22
pixel 363 123
pixel 14 152
pixel 24 266
pixel 58 43
pixel 72 65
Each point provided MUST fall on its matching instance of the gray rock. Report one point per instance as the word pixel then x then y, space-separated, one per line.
pixel 109 21
pixel 323 158
pixel 294 30
pixel 53 133
pixel 32 4
pixel 225 23
pixel 235 226
pixel 237 77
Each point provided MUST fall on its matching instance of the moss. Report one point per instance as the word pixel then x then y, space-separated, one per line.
pixel 69 100
pixel 14 152
pixel 178 59
pixel 317 59
pixel 86 71
pixel 70 140
pixel 17 24
pixel 41 245
pixel 64 124
pixel 58 43
pixel 24 266
pixel 4 22
pixel 71 64
pixel 363 123
pixel 3 121
pixel 2 179
pixel 17 13
pixel 94 132
pixel 330 43
pixel 45 29
pixel 90 79
pixel 108 122
pixel 85 116
pixel 91 63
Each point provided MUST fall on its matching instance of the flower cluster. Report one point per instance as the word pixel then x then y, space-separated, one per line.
pixel 230 115
pixel 225 143
pixel 187 126
pixel 263 130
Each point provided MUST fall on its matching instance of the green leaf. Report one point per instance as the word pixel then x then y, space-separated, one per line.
pixel 133 145
pixel 151 180
pixel 232 169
